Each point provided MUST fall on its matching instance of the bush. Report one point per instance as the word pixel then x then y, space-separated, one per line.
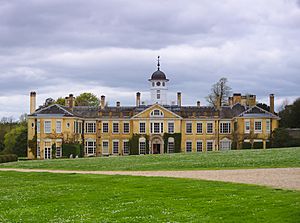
pixel 8 158
pixel 75 149
pixel 247 145
pixel 258 145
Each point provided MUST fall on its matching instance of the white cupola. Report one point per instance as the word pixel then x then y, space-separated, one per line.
pixel 158 86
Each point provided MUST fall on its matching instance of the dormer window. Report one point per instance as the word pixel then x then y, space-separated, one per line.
pixel 157 113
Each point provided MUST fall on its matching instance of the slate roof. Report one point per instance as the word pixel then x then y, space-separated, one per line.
pixel 227 112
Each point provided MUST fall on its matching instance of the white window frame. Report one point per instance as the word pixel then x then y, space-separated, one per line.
pixel 114 143
pixel 144 124
pixel 154 113
pixel 261 127
pixel 115 126
pixel 142 146
pixel 48 127
pixel 106 131
pixel 268 125
pixel 187 128
pixel 38 126
pixel 186 146
pixel 247 125
pixel 92 147
pixel 38 149
pixel 124 151
pixel 126 132
pixel 198 148
pixel 222 129
pixel 106 147
pixel 212 147
pixel 199 123
pixel 207 132
pixel 58 148
pixel 47 149
pixel 171 145
pixel 225 144
pixel 171 127
pixel 58 128
pixel 93 127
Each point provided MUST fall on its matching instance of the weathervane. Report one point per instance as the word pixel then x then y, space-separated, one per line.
pixel 158 64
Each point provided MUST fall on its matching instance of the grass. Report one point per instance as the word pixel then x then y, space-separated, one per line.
pixel 46 197
pixel 284 157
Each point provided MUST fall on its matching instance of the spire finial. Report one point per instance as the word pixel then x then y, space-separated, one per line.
pixel 158 64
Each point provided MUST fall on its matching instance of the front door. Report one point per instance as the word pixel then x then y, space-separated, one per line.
pixel 156 148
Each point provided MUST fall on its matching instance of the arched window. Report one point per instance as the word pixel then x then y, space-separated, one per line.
pixel 157 113
pixel 142 145
pixel 171 145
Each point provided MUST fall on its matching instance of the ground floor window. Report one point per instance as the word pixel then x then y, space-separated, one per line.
pixel 170 147
pixel 199 146
pixel 115 147
pixel 105 148
pixel 209 145
pixel 58 152
pixel 142 147
pixel 38 149
pixel 225 145
pixel 188 146
pixel 90 147
pixel 126 147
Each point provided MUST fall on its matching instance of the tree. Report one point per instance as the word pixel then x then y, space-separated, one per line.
pixel 15 141
pixel 290 115
pixel 219 90
pixel 60 101
pixel 87 99
pixel 264 106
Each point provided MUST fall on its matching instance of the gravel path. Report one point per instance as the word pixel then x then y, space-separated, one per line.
pixel 284 178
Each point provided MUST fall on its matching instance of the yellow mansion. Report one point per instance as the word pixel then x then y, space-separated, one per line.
pixel 62 131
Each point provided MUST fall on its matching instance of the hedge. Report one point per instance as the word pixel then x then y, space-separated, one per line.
pixel 75 149
pixel 258 145
pixel 247 145
pixel 8 158
pixel 177 142
pixel 134 144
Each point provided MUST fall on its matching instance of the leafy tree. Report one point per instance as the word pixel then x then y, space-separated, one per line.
pixel 15 141
pixel 264 106
pixel 280 138
pixel 219 90
pixel 60 101
pixel 87 99
pixel 290 115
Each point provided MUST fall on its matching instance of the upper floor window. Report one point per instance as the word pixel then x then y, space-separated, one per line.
pixel 157 127
pixel 225 127
pixel 247 126
pixel 157 113
pixel 142 127
pixel 90 127
pixel 210 127
pixel 38 127
pixel 58 126
pixel 115 127
pixel 170 127
pixel 47 126
pixel 105 127
pixel 199 127
pixel 126 127
pixel 189 128
pixel 257 126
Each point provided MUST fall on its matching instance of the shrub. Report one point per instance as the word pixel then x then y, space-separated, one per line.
pixel 75 149
pixel 246 145
pixel 258 145
pixel 8 158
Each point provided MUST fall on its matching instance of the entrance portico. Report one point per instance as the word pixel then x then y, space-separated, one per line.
pixel 156 144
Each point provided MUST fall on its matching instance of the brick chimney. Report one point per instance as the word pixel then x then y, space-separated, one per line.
pixel 32 102
pixel 118 104
pixel 179 99
pixel 102 102
pixel 272 103
pixel 198 104
pixel 138 99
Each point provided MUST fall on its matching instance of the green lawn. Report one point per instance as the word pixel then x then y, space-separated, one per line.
pixel 46 197
pixel 285 157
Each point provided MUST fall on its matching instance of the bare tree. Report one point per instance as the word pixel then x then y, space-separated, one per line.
pixel 220 92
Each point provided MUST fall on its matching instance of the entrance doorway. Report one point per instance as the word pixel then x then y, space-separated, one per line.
pixel 156 148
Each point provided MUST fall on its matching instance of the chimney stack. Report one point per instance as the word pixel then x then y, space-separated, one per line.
pixel 118 104
pixel 71 101
pixel 179 99
pixel 218 103
pixel 32 102
pixel 198 104
pixel 138 99
pixel 272 103
pixel 102 102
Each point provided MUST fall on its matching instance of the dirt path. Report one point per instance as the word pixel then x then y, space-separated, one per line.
pixel 284 178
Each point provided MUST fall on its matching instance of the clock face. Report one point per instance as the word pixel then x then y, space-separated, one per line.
pixel 158 83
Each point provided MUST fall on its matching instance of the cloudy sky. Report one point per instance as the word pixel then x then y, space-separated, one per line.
pixel 57 47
